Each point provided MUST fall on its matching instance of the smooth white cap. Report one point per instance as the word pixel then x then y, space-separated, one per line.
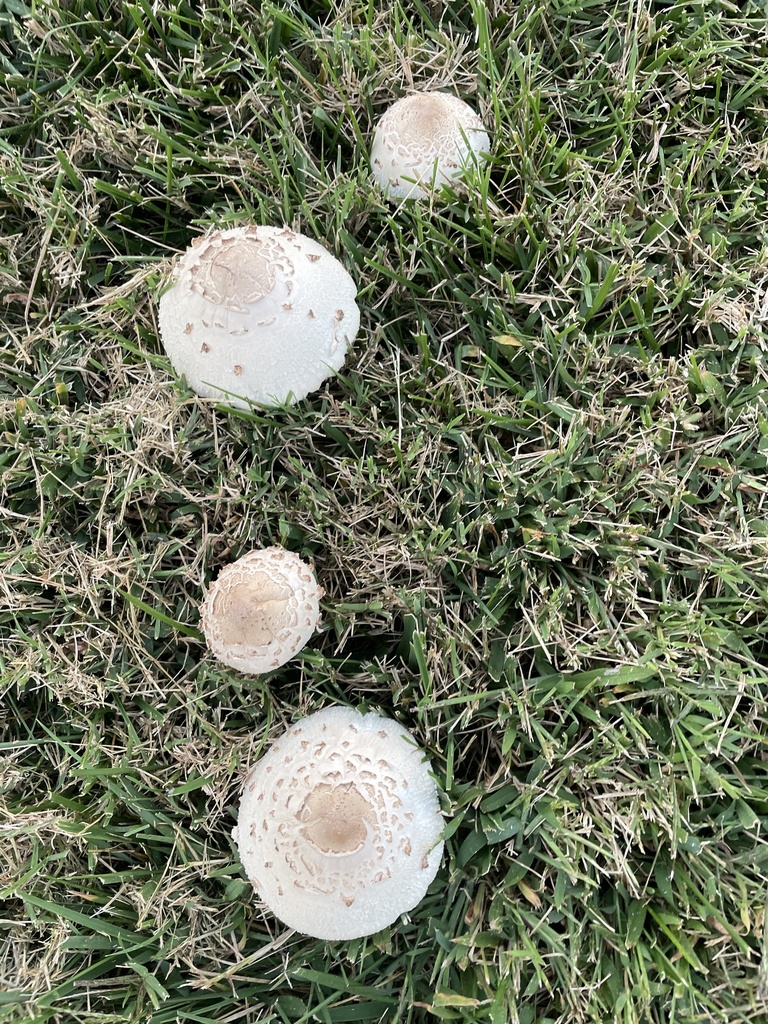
pixel 258 314
pixel 426 137
pixel 261 610
pixel 339 825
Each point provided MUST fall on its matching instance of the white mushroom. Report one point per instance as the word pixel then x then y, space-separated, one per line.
pixel 424 138
pixel 258 314
pixel 261 610
pixel 339 825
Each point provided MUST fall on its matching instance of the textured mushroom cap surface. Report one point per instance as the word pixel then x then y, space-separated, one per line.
pixel 258 314
pixel 426 136
pixel 261 610
pixel 339 825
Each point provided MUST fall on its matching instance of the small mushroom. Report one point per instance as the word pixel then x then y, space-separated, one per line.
pixel 339 828
pixel 424 138
pixel 252 315
pixel 261 610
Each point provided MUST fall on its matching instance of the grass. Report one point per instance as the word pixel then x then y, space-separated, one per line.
pixel 535 497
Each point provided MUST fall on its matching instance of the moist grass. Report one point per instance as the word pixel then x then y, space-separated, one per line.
pixel 535 498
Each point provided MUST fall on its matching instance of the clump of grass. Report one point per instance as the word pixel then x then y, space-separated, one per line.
pixel 535 497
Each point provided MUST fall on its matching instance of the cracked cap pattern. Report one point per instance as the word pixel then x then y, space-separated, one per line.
pixel 258 314
pixel 426 136
pixel 261 610
pixel 339 825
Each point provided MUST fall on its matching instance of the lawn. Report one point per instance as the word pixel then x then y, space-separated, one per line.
pixel 535 498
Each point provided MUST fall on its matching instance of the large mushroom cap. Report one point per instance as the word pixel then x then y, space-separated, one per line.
pixel 261 610
pixel 339 826
pixel 425 137
pixel 258 314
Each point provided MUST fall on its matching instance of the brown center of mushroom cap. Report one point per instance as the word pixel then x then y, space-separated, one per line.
pixel 253 612
pixel 335 818
pixel 236 272
pixel 420 121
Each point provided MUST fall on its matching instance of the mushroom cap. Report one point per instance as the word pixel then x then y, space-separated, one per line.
pixel 261 610
pixel 339 825
pixel 258 314
pixel 427 136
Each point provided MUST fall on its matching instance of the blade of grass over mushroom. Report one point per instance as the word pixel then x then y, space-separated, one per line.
pixel 535 496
